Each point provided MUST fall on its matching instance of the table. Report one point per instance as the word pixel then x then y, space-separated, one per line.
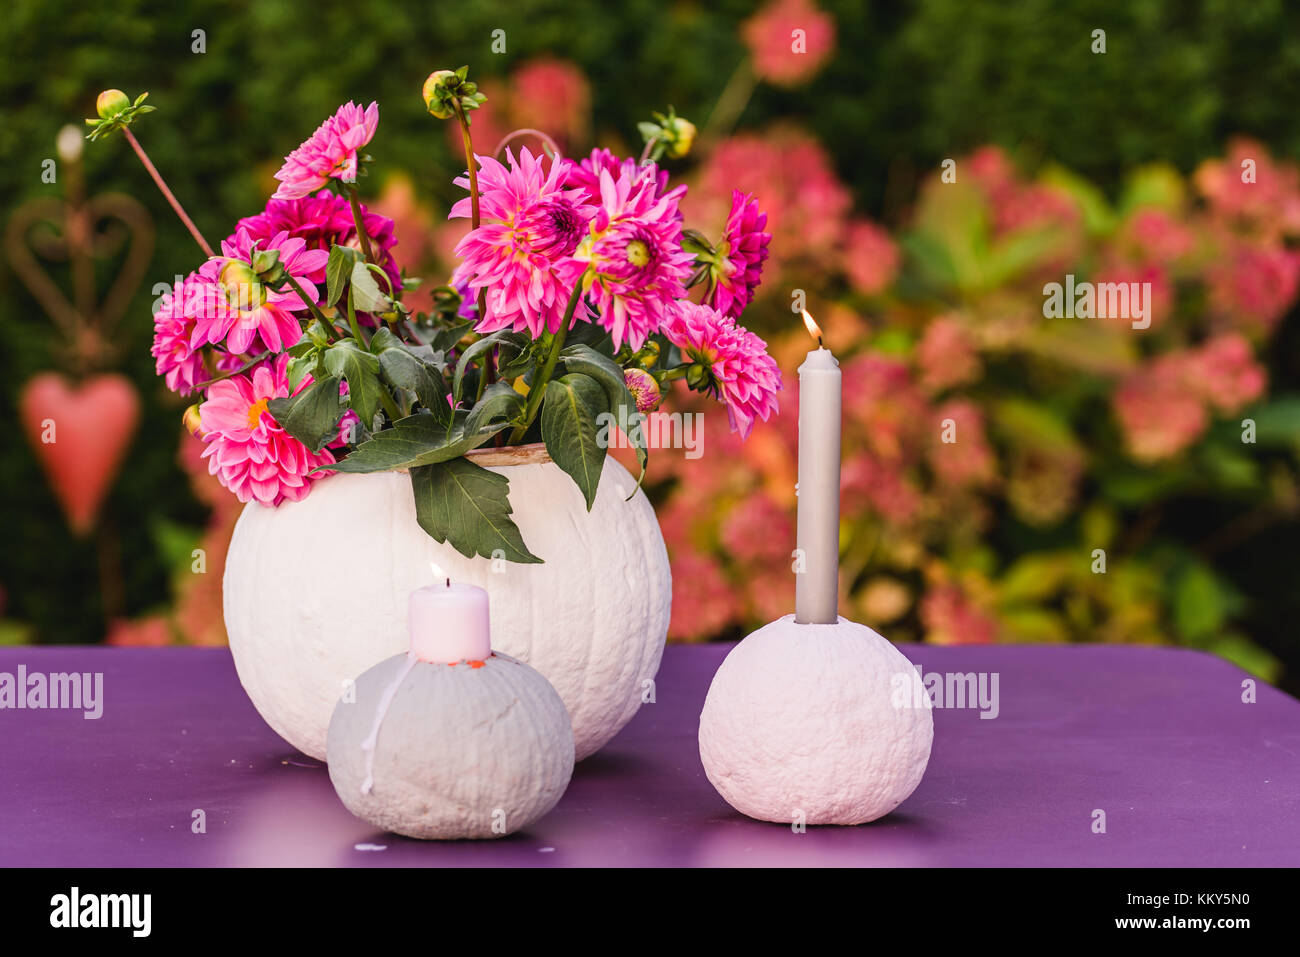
pixel 1158 738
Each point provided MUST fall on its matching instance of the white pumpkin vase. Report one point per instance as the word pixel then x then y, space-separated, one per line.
pixel 316 592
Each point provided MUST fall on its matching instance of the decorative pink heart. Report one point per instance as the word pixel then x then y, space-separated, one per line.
pixel 80 434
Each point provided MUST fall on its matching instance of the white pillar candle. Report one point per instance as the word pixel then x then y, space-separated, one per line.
pixel 816 596
pixel 449 623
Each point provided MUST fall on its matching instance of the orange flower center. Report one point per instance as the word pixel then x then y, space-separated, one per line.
pixel 255 412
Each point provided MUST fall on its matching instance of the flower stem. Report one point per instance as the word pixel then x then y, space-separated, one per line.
pixel 362 235
pixel 471 167
pixel 315 311
pixel 352 322
pixel 200 386
pixel 167 193
pixel 474 213
pixel 548 368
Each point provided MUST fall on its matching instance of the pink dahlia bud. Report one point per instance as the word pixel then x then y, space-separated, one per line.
pixel 447 92
pixel 191 419
pixel 110 103
pixel 644 388
pixel 241 285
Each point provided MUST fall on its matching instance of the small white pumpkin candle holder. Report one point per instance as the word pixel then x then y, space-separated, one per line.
pixel 815 719
pixel 816 724
pixel 450 740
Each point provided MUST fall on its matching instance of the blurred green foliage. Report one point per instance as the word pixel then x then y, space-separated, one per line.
pixel 909 85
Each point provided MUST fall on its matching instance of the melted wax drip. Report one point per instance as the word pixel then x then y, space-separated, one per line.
pixel 368 745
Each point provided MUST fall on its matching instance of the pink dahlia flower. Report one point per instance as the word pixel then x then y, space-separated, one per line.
pixel 744 250
pixel 322 221
pixel 175 358
pixel 329 153
pixel 584 174
pixel 246 449
pixel 237 308
pixel 742 374
pixel 637 268
pixel 522 253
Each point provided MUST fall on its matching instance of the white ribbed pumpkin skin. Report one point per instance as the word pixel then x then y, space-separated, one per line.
pixel 457 748
pixel 316 593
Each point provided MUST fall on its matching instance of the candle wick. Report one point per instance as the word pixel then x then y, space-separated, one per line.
pixel 448 582
pixel 819 343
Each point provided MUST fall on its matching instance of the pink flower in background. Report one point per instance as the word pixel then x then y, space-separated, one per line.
pixel 968 459
pixel 952 618
pixel 870 257
pixel 552 96
pixel 743 250
pixel 247 449
pixel 329 153
pixel 881 486
pixel 545 94
pixel 1016 204
pixel 1160 409
pixel 1268 204
pixel 1161 302
pixel 151 631
pixel 805 202
pixel 1254 284
pixel 1034 206
pixel 636 265
pixel 789 41
pixel 322 221
pixel 1226 373
pixel 523 253
pixel 235 307
pixel 175 357
pixel 703 601
pixel 743 375
pixel 946 355
pixel 1153 235
pixel 758 530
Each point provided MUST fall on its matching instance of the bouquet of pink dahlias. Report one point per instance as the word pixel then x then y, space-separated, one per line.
pixel 577 298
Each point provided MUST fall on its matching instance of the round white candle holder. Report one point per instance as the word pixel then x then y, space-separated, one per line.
pixel 451 740
pixel 816 724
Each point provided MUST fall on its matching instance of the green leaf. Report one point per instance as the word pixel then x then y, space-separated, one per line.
pixel 445 339
pixel 416 440
pixel 468 507
pixel 366 294
pixel 1277 423
pixel 347 359
pixel 403 368
pixel 1248 656
pixel 337 271
pixel 500 400
pixel 298 367
pixel 312 416
pixel 569 429
pixel 477 350
pixel 609 374
pixel 1201 605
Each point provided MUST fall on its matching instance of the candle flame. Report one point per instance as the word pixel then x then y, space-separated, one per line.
pixel 439 573
pixel 813 329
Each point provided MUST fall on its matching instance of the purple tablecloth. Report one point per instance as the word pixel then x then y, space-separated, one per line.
pixel 1159 739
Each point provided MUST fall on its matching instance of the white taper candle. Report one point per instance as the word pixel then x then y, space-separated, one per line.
pixel 816 596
